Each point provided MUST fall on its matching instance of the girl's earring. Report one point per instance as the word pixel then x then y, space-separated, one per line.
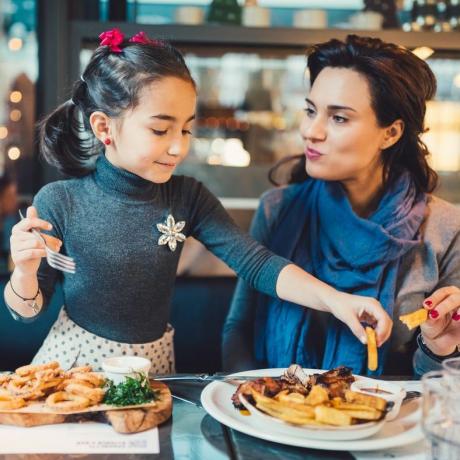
pixel 107 141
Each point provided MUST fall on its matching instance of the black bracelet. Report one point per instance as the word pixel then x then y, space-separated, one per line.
pixel 35 307
pixel 438 358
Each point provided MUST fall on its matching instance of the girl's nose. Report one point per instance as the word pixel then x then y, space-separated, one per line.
pixel 178 147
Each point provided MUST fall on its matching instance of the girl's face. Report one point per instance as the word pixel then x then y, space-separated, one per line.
pixel 154 137
pixel 343 141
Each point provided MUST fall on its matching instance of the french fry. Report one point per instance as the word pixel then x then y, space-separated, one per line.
pixel 285 396
pixel 367 400
pixel 332 416
pixel 372 356
pixel 372 414
pixel 318 395
pixel 414 319
pixel 343 405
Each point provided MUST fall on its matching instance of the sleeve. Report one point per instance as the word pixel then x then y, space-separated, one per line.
pixel 51 203
pixel 449 275
pixel 211 225
pixel 449 267
pixel 424 363
pixel 238 331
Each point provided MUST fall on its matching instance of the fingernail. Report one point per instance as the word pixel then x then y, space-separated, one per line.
pixel 456 316
pixel 50 226
pixel 433 314
pixel 428 303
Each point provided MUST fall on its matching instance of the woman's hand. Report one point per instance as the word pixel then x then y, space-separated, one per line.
pixel 354 310
pixel 26 249
pixel 441 332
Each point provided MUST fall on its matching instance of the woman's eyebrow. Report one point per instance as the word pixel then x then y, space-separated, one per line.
pixel 162 116
pixel 331 107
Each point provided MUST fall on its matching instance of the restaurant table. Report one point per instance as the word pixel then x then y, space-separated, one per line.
pixel 193 434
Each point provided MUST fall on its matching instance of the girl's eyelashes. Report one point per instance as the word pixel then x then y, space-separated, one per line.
pixel 309 111
pixel 158 132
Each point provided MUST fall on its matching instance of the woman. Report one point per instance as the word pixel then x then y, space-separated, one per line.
pixel 358 214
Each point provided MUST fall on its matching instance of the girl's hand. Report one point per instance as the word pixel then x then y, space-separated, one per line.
pixel 26 249
pixel 441 332
pixel 355 309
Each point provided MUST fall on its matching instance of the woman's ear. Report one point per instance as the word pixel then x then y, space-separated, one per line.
pixel 101 125
pixel 392 134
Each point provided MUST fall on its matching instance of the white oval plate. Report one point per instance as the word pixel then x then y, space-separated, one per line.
pixel 216 400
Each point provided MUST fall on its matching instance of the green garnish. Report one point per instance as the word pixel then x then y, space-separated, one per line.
pixel 130 392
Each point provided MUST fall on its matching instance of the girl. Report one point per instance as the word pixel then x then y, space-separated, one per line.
pixel 359 215
pixel 124 216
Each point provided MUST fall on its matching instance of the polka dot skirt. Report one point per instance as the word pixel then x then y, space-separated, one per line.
pixel 71 345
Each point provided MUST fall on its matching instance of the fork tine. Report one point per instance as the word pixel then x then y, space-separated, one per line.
pixel 60 267
pixel 61 257
pixel 60 263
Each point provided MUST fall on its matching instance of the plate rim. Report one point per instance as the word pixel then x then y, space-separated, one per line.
pixel 410 436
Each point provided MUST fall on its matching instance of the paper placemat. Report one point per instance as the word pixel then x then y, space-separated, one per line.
pixel 76 438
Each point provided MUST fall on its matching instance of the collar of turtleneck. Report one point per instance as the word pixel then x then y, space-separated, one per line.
pixel 121 183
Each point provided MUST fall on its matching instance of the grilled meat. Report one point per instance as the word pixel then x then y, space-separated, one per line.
pixel 336 381
pixel 265 385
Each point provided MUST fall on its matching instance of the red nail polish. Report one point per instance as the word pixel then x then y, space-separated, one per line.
pixel 428 303
pixel 456 316
pixel 434 314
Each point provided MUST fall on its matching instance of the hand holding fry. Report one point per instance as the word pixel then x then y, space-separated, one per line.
pixel 441 331
pixel 354 309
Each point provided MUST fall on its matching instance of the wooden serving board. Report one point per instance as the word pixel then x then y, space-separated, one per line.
pixel 132 420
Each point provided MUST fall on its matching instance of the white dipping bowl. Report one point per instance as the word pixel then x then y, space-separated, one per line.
pixel 386 390
pixel 118 368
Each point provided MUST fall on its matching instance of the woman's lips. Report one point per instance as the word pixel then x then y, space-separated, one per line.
pixel 312 154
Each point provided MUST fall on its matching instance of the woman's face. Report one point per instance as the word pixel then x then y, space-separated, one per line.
pixel 154 137
pixel 343 141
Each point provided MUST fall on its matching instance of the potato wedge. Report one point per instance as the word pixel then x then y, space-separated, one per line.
pixel 370 415
pixel 372 356
pixel 414 319
pixel 318 395
pixel 332 416
pixel 366 400
pixel 285 396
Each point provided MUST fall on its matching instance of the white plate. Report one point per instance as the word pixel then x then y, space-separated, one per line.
pixel 216 400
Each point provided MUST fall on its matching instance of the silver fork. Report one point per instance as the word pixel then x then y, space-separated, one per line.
pixel 55 259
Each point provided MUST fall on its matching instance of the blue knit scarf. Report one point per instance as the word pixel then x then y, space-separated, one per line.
pixel 319 231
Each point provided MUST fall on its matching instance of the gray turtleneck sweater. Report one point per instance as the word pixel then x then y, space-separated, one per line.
pixel 108 220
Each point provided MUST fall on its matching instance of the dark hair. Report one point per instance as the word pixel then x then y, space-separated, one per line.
pixel 111 83
pixel 400 84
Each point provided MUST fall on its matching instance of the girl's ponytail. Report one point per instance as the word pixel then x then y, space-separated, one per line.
pixel 66 142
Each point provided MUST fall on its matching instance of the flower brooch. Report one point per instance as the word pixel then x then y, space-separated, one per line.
pixel 171 232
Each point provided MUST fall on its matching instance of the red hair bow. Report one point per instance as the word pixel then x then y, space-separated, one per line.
pixel 141 37
pixel 113 39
